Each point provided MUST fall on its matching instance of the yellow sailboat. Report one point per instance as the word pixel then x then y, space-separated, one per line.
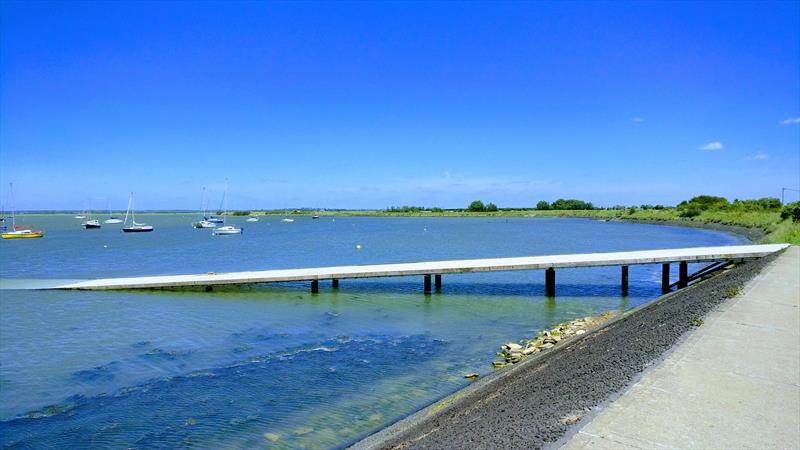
pixel 20 231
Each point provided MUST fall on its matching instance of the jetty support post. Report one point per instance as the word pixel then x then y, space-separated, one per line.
pixel 550 282
pixel 665 277
pixel 335 283
pixel 683 275
pixel 314 286
pixel 624 280
pixel 437 282
pixel 427 284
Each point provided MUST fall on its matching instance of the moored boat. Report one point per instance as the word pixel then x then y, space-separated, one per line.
pixel 214 219
pixel 23 233
pixel 91 224
pixel 134 227
pixel 19 231
pixel 203 224
pixel 226 230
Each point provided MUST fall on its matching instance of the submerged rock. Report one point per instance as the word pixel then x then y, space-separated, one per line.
pixel 272 437
pixel 302 430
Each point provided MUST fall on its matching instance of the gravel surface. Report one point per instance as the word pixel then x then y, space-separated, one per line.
pixel 536 402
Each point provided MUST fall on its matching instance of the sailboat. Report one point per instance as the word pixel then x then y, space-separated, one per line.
pixel 225 229
pixel 134 227
pixel 89 223
pixel 111 219
pixel 19 231
pixel 205 223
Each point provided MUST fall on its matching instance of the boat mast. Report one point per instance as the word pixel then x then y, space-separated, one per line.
pixel 130 199
pixel 13 212
pixel 203 203
pixel 224 202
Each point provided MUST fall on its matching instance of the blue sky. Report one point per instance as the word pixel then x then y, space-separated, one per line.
pixel 367 105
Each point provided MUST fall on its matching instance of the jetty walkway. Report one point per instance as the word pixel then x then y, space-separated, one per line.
pixel 733 383
pixel 549 263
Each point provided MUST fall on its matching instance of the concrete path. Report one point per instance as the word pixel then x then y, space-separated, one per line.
pixel 733 383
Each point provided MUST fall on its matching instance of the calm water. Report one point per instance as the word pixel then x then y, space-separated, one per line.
pixel 274 365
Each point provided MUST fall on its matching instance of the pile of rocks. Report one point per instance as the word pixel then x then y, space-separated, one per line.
pixel 513 352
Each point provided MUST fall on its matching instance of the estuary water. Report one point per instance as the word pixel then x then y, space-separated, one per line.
pixel 273 365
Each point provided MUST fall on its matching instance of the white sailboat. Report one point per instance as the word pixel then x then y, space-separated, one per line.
pixel 252 219
pixel 111 219
pixel 134 227
pixel 205 223
pixel 225 229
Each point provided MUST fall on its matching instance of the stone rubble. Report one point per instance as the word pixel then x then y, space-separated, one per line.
pixel 513 352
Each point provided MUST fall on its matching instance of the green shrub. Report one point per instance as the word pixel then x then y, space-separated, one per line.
pixel 704 202
pixel 477 206
pixel 792 210
pixel 690 212
pixel 571 204
pixel 542 205
pixel 491 207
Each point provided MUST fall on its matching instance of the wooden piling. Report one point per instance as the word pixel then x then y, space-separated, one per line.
pixel 314 286
pixel 335 283
pixel 624 280
pixel 683 274
pixel 427 284
pixel 665 277
pixel 550 282
pixel 437 281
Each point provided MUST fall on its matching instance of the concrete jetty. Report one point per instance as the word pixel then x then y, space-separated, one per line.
pixel 436 269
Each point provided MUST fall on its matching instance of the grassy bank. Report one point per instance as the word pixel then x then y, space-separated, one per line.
pixel 769 222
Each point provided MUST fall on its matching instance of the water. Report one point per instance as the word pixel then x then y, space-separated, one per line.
pixel 274 365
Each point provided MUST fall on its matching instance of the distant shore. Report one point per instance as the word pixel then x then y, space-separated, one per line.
pixel 764 227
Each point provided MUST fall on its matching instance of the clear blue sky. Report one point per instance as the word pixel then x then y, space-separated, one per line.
pixel 365 105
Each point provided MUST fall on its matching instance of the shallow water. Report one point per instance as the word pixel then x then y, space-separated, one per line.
pixel 276 365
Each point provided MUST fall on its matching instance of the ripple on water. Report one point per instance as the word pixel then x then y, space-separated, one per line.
pixel 232 405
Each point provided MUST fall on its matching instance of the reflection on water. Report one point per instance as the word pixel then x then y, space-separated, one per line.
pixel 275 365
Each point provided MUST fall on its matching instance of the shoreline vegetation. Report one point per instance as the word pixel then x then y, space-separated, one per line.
pixel 762 220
